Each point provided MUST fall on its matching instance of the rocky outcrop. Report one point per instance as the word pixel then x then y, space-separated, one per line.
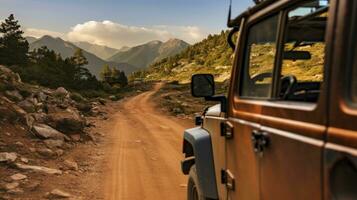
pixel 38 127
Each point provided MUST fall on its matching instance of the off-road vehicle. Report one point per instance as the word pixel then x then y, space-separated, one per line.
pixel 288 126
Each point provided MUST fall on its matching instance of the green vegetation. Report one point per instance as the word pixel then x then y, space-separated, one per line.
pixel 113 76
pixel 211 55
pixel 13 47
pixel 47 68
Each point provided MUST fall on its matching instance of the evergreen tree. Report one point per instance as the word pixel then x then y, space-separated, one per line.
pixel 78 58
pixel 13 46
pixel 105 74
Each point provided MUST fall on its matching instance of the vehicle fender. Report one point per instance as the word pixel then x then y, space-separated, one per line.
pixel 199 141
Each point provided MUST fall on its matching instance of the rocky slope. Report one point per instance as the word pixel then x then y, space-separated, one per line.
pixel 39 127
pixel 143 55
pixel 102 52
pixel 67 49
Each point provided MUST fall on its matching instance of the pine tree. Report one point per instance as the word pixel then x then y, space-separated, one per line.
pixel 13 46
pixel 106 73
pixel 79 59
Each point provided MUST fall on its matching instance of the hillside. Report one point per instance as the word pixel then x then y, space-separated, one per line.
pixel 30 39
pixel 143 55
pixel 66 49
pixel 211 55
pixel 102 52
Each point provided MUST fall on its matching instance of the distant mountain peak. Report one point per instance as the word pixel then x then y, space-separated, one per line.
pixel 154 42
pixel 67 49
pixel 143 55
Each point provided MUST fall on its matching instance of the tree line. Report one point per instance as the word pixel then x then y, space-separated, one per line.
pixel 45 67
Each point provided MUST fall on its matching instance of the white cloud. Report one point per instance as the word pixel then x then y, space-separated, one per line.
pixel 117 35
pixel 37 33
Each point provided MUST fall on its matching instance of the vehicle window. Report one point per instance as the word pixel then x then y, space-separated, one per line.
pixel 259 59
pixel 353 75
pixel 304 52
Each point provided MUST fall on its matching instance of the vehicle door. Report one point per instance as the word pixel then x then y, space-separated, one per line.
pixel 340 156
pixel 293 123
pixel 251 85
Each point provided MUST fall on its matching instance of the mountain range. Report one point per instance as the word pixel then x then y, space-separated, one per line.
pixel 67 49
pixel 126 59
pixel 142 56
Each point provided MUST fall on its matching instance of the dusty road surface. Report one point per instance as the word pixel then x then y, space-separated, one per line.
pixel 145 156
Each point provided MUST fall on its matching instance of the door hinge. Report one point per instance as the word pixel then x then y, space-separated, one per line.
pixel 227 129
pixel 227 179
pixel 260 141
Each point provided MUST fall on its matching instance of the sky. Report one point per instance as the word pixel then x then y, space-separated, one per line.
pixel 118 23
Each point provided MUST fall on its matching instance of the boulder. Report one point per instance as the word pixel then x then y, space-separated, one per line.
pixel 8 157
pixel 40 169
pixel 46 132
pixel 83 107
pixel 14 95
pixel 67 121
pixel 61 92
pixel 45 152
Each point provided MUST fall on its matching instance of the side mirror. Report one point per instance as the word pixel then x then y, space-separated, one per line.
pixel 202 85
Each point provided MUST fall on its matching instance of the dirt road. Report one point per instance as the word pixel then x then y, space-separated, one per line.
pixel 145 158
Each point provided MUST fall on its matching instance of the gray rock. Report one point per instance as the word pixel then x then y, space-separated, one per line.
pixel 46 132
pixel 56 193
pixel 8 157
pixel 14 95
pixel 41 169
pixel 45 152
pixel 18 177
pixel 67 121
pixel 53 143
pixel 62 92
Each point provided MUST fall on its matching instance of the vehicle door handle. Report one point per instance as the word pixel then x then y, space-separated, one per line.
pixel 227 129
pixel 260 141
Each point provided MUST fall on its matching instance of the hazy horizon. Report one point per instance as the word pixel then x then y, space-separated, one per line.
pixel 121 23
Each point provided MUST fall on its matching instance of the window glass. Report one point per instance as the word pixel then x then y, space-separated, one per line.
pixel 353 75
pixel 304 52
pixel 259 59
